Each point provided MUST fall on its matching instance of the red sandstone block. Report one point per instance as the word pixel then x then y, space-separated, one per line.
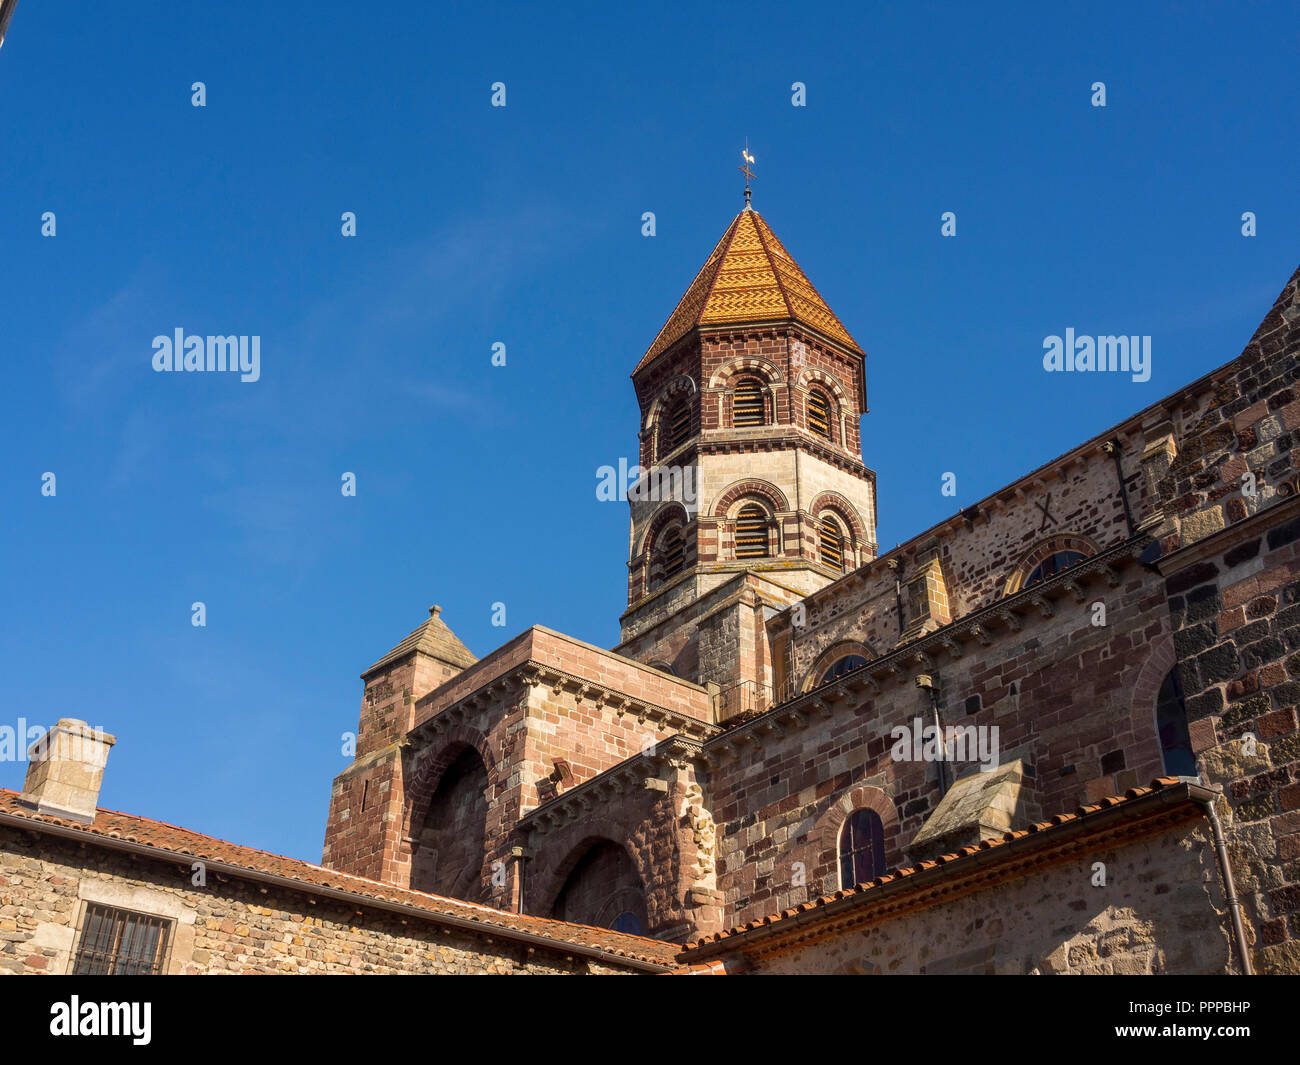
pixel 1250 415
pixel 1202 735
pixel 1238 594
pixel 1272 674
pixel 1289 797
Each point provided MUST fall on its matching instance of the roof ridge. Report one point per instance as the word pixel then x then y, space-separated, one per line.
pixel 776 273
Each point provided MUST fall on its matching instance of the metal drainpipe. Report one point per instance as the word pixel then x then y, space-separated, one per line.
pixel 1112 449
pixel 520 864
pixel 1225 870
pixel 938 734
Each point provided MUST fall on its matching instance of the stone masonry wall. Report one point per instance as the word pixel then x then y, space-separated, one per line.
pixel 1081 716
pixel 232 926
pixel 1161 911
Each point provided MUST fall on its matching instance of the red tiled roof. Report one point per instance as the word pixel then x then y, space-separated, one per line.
pixel 109 825
pixel 1059 821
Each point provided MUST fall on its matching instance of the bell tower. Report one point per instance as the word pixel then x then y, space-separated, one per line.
pixel 754 492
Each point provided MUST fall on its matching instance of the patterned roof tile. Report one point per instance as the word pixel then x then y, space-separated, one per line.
pixel 749 277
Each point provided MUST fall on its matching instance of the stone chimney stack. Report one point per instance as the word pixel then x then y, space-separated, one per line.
pixel 65 768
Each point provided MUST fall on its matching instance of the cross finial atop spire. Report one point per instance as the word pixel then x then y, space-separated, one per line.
pixel 744 169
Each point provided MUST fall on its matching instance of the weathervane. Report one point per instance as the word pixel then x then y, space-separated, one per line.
pixel 744 169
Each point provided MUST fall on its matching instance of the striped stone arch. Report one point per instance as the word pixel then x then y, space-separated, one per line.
pixel 832 655
pixel 769 371
pixel 1065 541
pixel 425 770
pixel 826 829
pixel 675 387
pixel 810 374
pixel 662 517
pixel 846 510
pixel 738 490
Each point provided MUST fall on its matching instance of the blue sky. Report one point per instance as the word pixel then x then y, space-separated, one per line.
pixel 523 225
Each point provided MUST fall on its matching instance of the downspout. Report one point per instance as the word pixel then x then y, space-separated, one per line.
pixel 1111 448
pixel 926 682
pixel 895 567
pixel 1229 887
pixel 521 859
pixel 943 747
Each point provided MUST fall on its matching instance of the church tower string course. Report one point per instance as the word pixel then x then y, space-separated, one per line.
pixel 756 493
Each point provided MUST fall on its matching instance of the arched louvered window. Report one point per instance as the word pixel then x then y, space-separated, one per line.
pixel 862 848
pixel 819 414
pixel 751 532
pixel 747 403
pixel 677 426
pixel 673 552
pixel 832 542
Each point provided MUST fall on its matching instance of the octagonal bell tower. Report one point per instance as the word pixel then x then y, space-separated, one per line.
pixel 755 493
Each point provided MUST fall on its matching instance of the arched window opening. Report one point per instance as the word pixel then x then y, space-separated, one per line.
pixel 603 890
pixel 1052 565
pixel 677 426
pixel 751 532
pixel 447 858
pixel 628 922
pixel 847 664
pixel 862 848
pixel 672 552
pixel 1171 724
pixel 832 543
pixel 747 403
pixel 819 414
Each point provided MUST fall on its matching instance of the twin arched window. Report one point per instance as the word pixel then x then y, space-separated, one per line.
pixel 862 848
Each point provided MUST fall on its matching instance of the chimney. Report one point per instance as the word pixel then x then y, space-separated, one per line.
pixel 65 768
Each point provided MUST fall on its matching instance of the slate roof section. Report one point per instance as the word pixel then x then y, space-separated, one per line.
pixel 126 831
pixel 749 277
pixel 432 638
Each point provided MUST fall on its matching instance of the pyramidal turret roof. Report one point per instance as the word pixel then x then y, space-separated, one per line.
pixel 749 277
pixel 434 639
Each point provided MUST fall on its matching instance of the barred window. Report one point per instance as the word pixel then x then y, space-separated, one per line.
pixel 747 404
pixel 751 532
pixel 819 414
pixel 120 943
pixel 832 543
